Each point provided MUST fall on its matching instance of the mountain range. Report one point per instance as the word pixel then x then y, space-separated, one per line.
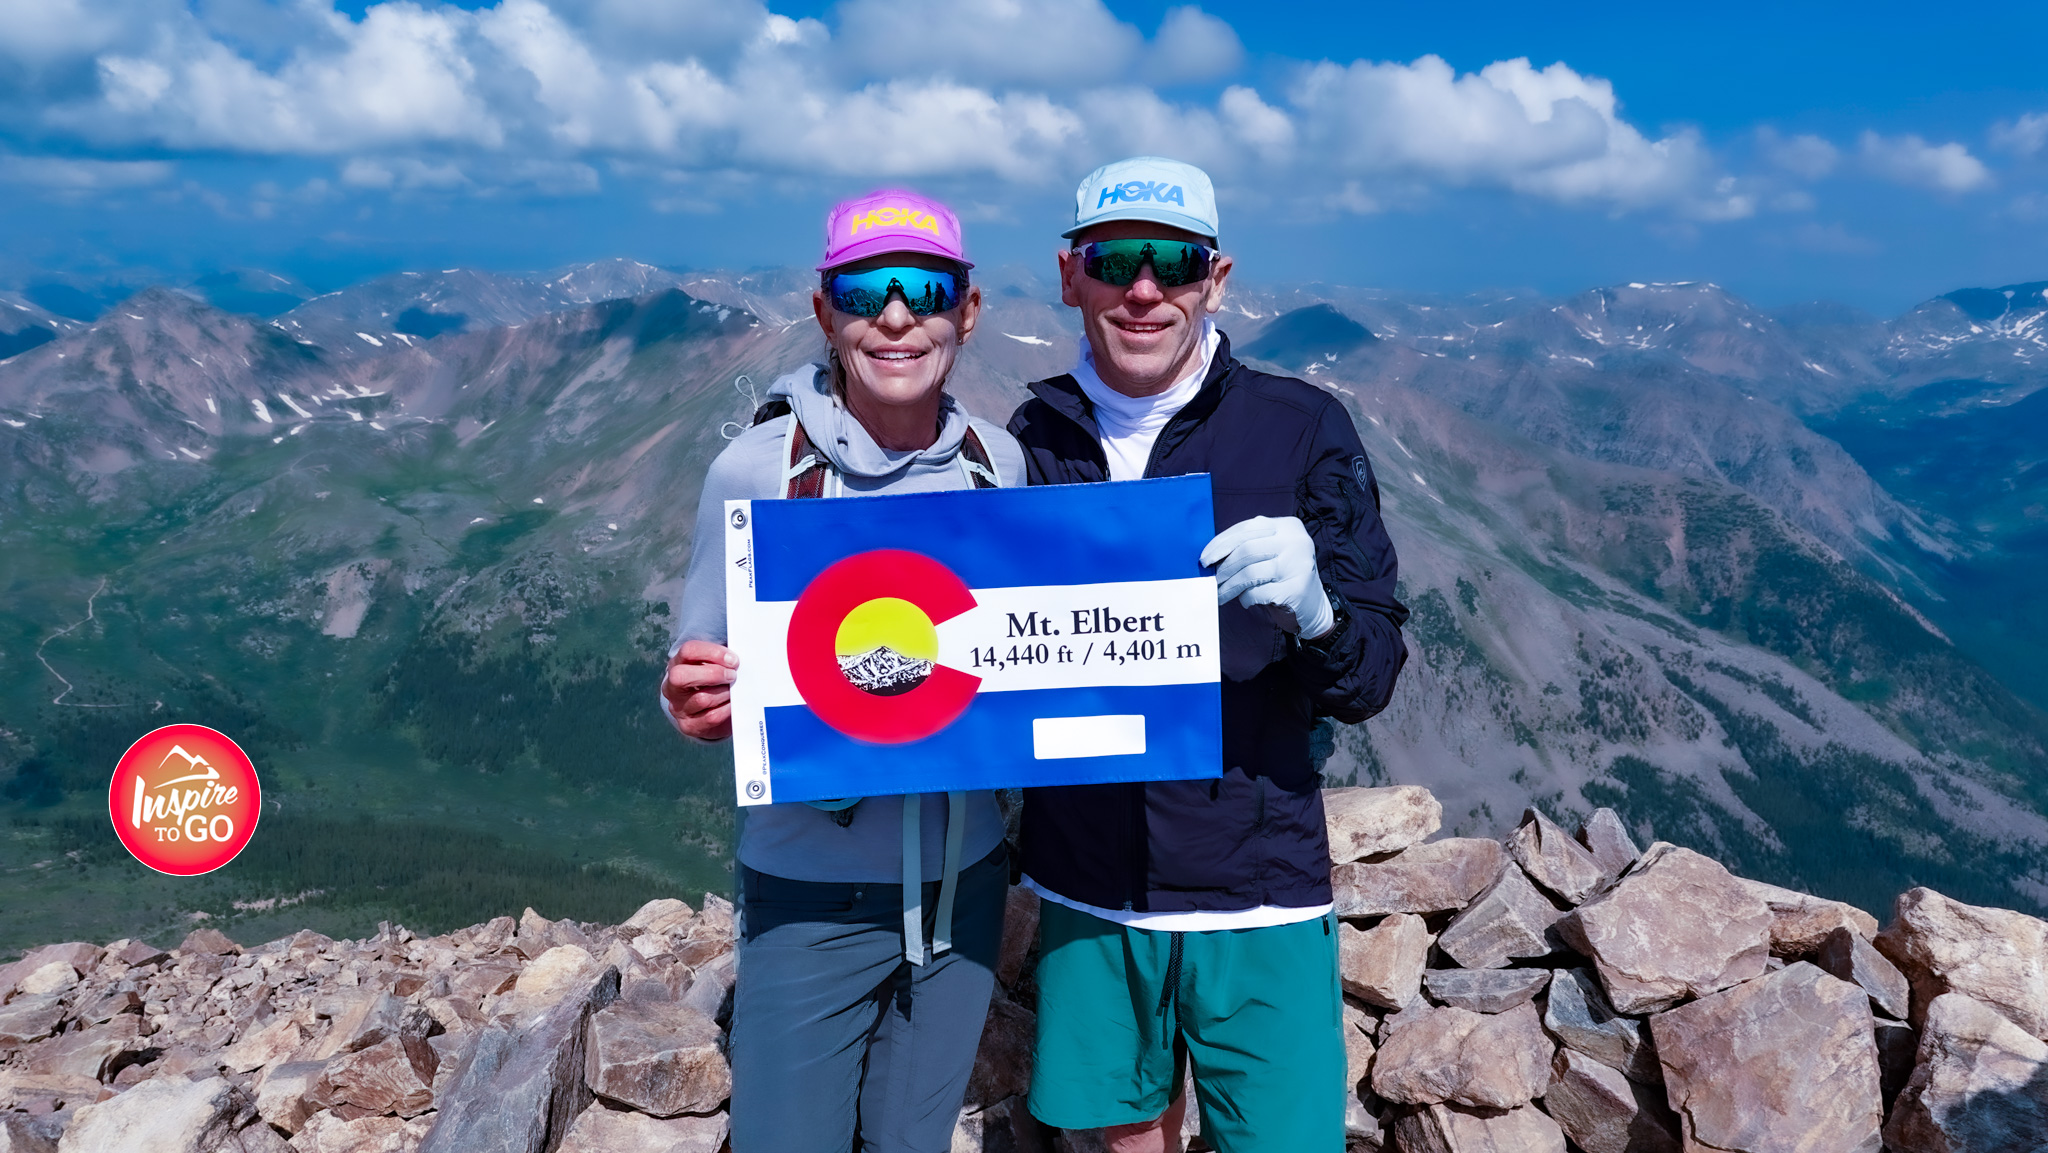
pixel 1761 580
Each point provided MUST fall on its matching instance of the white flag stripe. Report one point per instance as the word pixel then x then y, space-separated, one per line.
pixel 1134 633
pixel 1113 735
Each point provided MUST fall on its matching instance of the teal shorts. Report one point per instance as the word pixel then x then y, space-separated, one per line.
pixel 1257 1013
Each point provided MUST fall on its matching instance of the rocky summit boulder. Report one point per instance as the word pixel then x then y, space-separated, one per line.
pixel 601 1130
pixel 1980 1084
pixel 1451 1129
pixel 1554 861
pixel 1605 1112
pixel 168 1115
pixel 1578 1014
pixel 1485 990
pixel 1677 926
pixel 1855 960
pixel 1488 1061
pixel 1383 965
pixel 1990 955
pixel 1604 836
pixel 1432 878
pixel 1787 1061
pixel 1367 822
pixel 661 1058
pixel 1510 920
pixel 1800 922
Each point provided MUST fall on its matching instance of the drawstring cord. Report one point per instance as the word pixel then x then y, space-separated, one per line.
pixel 1171 991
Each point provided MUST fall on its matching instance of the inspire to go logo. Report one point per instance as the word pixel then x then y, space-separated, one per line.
pixel 185 800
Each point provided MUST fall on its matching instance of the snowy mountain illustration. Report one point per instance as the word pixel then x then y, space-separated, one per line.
pixel 884 672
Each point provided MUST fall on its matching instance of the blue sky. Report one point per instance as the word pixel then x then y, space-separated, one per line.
pixel 1873 154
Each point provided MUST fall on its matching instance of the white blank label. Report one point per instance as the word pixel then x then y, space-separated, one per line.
pixel 1116 735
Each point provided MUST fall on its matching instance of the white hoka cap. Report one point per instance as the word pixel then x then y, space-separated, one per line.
pixel 1147 188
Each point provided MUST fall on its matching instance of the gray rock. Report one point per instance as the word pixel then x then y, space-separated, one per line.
pixel 208 943
pixel 1801 921
pixel 1605 1112
pixel 1607 839
pixel 1994 956
pixel 1395 1020
pixel 165 1115
pixel 381 1078
pixel 1020 934
pixel 18 1136
pixel 1485 990
pixel 1981 1084
pixel 1853 959
pixel 1492 1061
pixel 1896 1049
pixel 1553 860
pixel 1578 1015
pixel 659 1058
pixel 29 1018
pixel 1786 1061
pixel 602 1130
pixel 1432 878
pixel 1507 921
pixel 1677 926
pixel 1383 965
pixel 1450 1129
pixel 80 955
pixel 1002 1062
pixel 710 991
pixel 522 1083
pixel 1366 822
pixel 290 1094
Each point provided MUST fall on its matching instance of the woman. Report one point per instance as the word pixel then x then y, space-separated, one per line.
pixel 851 1016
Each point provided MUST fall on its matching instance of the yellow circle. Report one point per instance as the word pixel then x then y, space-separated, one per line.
pixel 890 622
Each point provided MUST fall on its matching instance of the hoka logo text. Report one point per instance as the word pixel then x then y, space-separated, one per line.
pixel 1135 190
pixel 894 218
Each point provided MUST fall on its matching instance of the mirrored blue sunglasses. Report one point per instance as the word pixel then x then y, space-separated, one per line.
pixel 924 290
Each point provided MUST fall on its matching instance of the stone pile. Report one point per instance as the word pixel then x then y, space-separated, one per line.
pixel 1566 990
pixel 1555 990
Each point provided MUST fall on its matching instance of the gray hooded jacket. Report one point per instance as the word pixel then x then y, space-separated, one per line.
pixel 796 840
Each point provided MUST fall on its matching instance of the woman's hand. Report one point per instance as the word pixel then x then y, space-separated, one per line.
pixel 698 690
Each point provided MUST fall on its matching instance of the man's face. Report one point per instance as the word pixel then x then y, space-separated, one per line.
pixel 1145 337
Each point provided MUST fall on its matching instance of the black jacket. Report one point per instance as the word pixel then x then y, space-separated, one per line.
pixel 1273 446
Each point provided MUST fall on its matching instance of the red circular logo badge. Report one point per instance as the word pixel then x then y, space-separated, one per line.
pixel 185 800
pixel 881 696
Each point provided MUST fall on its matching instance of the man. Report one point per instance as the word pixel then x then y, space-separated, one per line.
pixel 1189 923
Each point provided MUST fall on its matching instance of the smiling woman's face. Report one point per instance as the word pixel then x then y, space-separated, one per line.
pixel 897 362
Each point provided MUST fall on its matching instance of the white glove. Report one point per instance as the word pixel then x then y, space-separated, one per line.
pixel 1271 561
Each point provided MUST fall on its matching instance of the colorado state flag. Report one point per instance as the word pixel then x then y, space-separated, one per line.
pixel 995 638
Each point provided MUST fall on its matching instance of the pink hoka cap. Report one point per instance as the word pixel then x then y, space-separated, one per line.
pixel 890 222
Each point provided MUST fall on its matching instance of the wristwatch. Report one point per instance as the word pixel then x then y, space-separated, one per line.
pixel 1340 615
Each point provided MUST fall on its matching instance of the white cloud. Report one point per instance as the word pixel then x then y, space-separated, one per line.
pixel 419 95
pixel 2024 136
pixel 1911 160
pixel 1550 132
pixel 71 175
pixel 1805 156
pixel 995 42
pixel 1192 46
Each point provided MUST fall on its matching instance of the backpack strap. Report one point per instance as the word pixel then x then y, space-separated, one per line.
pixel 804 468
pixel 975 462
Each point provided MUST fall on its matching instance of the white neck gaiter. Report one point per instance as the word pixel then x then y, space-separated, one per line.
pixel 1130 424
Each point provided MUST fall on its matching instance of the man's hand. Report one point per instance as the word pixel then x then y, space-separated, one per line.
pixel 1271 561
pixel 698 690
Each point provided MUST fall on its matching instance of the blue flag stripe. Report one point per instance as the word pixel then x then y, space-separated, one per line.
pixel 982 750
pixel 997 539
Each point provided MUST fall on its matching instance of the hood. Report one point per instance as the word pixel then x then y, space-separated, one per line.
pixel 846 444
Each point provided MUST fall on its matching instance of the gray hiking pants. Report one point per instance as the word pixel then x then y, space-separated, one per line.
pixel 835 1037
